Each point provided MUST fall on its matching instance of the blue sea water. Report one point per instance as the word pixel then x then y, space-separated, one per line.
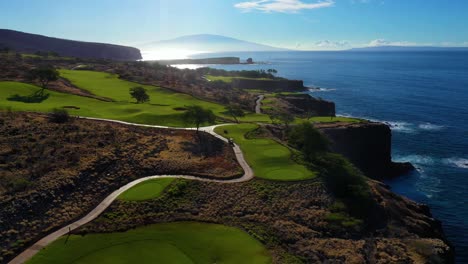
pixel 422 95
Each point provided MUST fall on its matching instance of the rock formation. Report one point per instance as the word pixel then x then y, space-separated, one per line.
pixel 308 105
pixel 269 85
pixel 367 145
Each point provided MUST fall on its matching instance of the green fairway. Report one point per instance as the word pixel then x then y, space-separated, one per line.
pixel 146 190
pixel 327 119
pixel 268 158
pixel 178 243
pixel 263 118
pixel 165 107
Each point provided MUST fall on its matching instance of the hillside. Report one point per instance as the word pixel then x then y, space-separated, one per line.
pixel 30 43
pixel 92 159
pixel 208 43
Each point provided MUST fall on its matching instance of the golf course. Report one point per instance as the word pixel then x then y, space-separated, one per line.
pixel 181 243
pixel 164 108
pixel 268 158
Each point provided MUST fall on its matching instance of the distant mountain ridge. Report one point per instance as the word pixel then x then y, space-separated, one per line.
pixel 26 42
pixel 409 48
pixel 209 43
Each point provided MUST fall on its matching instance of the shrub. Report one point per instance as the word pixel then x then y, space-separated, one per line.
pixel 308 140
pixel 59 116
pixel 13 184
pixel 177 188
pixel 346 182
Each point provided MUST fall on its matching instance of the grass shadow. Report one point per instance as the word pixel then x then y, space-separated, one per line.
pixel 36 97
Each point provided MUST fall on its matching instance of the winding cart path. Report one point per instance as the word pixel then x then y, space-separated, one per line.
pixel 258 104
pixel 36 247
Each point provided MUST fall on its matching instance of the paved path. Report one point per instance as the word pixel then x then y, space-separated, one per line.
pixel 258 104
pixel 32 250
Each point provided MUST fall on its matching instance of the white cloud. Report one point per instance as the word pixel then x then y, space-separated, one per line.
pixel 383 42
pixel 281 6
pixel 332 44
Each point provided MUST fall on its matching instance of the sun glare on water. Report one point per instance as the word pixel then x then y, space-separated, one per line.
pixel 168 54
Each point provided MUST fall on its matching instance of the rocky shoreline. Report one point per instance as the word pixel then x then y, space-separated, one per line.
pixel 368 146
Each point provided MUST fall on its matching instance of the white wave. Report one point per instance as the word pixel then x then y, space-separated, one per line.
pixel 421 160
pixel 457 162
pixel 416 159
pixel 320 89
pixel 400 126
pixel 429 126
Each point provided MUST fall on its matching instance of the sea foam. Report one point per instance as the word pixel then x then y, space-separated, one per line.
pixel 429 126
pixel 457 162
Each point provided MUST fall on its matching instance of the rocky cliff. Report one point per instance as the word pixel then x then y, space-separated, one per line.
pixel 306 104
pixel 368 145
pixel 30 43
pixel 269 85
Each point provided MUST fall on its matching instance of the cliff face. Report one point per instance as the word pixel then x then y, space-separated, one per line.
pixel 304 104
pixel 409 229
pixel 269 85
pixel 367 145
pixel 25 42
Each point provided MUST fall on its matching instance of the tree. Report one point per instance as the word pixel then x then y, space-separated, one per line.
pixel 44 75
pixel 140 95
pixel 5 50
pixel 235 111
pixel 286 118
pixel 198 115
pixel 272 71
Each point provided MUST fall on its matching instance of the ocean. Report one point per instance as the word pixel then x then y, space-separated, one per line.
pixel 423 96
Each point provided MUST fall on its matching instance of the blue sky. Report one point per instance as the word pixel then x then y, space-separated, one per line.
pixel 302 24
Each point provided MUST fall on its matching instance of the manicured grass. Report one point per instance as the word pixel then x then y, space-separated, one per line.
pixel 225 79
pixel 50 57
pixel 146 190
pixel 263 118
pixel 165 107
pixel 178 243
pixel 269 159
pixel 327 119
pixel 252 117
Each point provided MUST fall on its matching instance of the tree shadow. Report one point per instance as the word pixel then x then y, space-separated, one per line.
pixel 204 145
pixel 36 97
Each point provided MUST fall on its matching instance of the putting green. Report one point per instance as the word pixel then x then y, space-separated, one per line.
pixel 268 158
pixel 160 252
pixel 146 190
pixel 165 107
pixel 182 242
